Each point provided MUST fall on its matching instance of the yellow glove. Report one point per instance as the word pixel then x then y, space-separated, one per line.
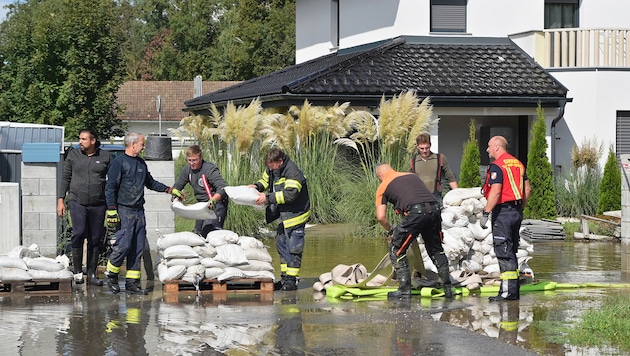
pixel 112 218
pixel 212 204
pixel 175 193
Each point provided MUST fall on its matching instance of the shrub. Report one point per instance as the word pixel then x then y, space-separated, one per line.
pixel 610 188
pixel 541 203
pixel 471 159
pixel 577 193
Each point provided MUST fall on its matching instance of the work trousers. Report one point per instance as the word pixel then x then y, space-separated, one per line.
pixel 413 223
pixel 290 245
pixel 129 242
pixel 87 222
pixel 506 223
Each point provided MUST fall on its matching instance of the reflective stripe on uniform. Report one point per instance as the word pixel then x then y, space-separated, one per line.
pixel 293 272
pixel 507 275
pixel 264 181
pixel 300 219
pixel 279 197
pixel 133 274
pixel 111 268
pixel 283 267
pixel 292 183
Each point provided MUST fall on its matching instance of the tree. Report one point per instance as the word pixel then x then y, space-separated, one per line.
pixel 541 204
pixel 471 159
pixel 256 38
pixel 610 188
pixel 62 65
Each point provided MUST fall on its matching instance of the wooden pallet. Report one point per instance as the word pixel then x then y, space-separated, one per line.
pixel 208 286
pixel 38 287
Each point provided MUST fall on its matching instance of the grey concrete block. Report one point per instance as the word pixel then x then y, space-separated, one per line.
pixel 30 186
pixel 37 170
pixel 30 221
pixel 38 203
pixel 48 186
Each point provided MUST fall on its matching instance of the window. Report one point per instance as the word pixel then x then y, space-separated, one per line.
pixel 561 13
pixel 448 15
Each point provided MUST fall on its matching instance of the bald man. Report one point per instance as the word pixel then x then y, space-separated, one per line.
pixel 420 212
pixel 507 190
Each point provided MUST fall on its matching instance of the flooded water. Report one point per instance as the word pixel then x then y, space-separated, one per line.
pixel 96 322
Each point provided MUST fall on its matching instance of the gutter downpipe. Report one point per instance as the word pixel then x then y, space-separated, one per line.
pixel 555 121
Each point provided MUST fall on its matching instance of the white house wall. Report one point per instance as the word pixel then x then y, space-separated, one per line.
pixel 604 14
pixel 499 18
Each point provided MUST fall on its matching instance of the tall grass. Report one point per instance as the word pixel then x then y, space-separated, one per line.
pixel 578 192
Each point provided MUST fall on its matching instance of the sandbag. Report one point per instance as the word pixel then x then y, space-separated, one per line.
pixel 41 274
pixel 44 264
pixel 212 263
pixel 205 251
pixel 250 242
pixel 166 273
pixel 180 251
pixel 255 265
pixel 259 274
pixel 186 262
pixel 179 238
pixel 194 274
pixel 197 211
pixel 221 237
pixel 13 262
pixel 230 273
pixel 456 196
pixel 9 274
pixel 257 254
pixel 231 255
pixel 243 195
pixel 213 272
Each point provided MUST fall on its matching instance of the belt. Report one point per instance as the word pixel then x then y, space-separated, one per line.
pixel 424 208
pixel 512 203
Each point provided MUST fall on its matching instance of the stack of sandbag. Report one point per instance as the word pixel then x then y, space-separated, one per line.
pixel 469 247
pixel 26 264
pixel 221 255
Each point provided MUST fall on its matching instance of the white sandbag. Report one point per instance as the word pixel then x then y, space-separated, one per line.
pixel 257 254
pixel 250 242
pixel 194 274
pixel 454 216
pixel 41 274
pixel 213 272
pixel 230 273
pixel 471 266
pixel 10 274
pixel 166 273
pixel 197 211
pixel 205 251
pixel 243 195
pixel 493 268
pixel 259 274
pixel 454 197
pixel 221 237
pixel 13 262
pixel 212 263
pixel 255 265
pixel 231 255
pixel 22 251
pixel 489 260
pixel 478 232
pixel 63 259
pixel 44 264
pixel 472 206
pixel 186 262
pixel 464 235
pixel 521 253
pixel 180 251
pixel 180 238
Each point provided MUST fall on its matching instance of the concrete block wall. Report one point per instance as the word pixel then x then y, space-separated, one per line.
pixel 39 206
pixel 9 216
pixel 157 207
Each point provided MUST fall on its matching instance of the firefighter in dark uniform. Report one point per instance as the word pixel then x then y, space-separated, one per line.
pixel 283 188
pixel 507 190
pixel 420 212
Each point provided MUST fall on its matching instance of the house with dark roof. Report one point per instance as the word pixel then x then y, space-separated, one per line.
pixel 490 60
pixel 139 100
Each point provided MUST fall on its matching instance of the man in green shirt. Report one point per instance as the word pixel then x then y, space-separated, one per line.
pixel 431 167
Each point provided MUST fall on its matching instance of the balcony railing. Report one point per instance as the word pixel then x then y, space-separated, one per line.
pixel 574 47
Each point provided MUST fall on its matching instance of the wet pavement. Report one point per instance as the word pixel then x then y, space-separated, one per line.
pixel 92 321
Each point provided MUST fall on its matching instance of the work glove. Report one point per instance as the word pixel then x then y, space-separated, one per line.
pixel 176 194
pixel 112 219
pixel 212 204
pixel 484 220
pixel 390 233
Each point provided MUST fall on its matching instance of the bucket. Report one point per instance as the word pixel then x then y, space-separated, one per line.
pixel 158 148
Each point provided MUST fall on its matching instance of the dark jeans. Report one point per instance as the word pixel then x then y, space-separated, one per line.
pixel 429 224
pixel 87 222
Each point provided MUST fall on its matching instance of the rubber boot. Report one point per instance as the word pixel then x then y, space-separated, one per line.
pixel 442 265
pixel 112 282
pixel 133 286
pixel 290 283
pixel 404 284
pixel 92 263
pixel 278 285
pixel 77 265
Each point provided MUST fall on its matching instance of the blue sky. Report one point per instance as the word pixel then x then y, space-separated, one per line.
pixel 3 11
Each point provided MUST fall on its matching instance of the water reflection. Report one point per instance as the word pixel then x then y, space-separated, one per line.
pixel 96 322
